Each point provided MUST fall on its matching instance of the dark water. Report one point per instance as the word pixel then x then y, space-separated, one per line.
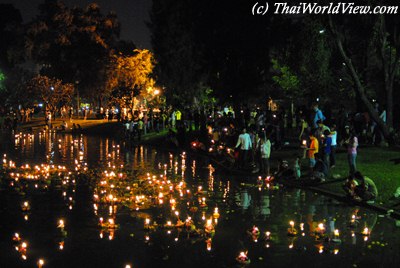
pixel 80 201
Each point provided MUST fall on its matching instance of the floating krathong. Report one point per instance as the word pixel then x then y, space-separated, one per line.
pixel 242 258
pixel 291 230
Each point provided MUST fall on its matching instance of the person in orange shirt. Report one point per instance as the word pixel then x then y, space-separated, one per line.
pixel 312 150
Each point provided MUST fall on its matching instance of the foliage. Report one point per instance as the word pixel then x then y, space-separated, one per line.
pixel 11 45
pixel 379 168
pixel 130 77
pixel 206 99
pixel 374 64
pixel 286 79
pixel 16 84
pixel 73 44
pixel 52 92
pixel 212 44
pixel 2 78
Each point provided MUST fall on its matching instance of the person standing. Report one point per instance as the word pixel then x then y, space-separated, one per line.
pixel 140 126
pixel 327 147
pixel 244 141
pixel 312 150
pixel 352 144
pixel 265 150
pixel 318 116
pixel 333 147
pixel 178 115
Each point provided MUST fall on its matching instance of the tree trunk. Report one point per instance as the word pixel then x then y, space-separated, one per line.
pixel 358 85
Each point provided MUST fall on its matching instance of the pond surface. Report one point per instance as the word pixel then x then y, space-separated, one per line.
pixel 119 206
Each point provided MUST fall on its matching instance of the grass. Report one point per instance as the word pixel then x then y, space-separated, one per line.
pixel 373 162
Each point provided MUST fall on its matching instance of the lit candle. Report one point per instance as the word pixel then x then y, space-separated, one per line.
pixel 336 233
pixel 61 224
pixel 16 237
pixel 255 231
pixel 40 263
pixel 320 229
pixel 267 235
pixel 242 258
pixel 365 231
pixel 25 206
pixel 216 213
pixel 24 245
pixel 111 223
pixel 292 231
pixel 209 242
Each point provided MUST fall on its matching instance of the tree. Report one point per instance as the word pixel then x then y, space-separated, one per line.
pixel 3 91
pixel 211 44
pixel 130 77
pixel 286 79
pixel 11 31
pixel 52 92
pixel 387 50
pixel 16 88
pixel 73 44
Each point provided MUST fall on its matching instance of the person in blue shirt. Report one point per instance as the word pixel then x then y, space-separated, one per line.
pixel 327 147
pixel 318 116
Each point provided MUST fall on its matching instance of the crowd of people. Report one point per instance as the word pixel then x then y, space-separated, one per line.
pixel 253 140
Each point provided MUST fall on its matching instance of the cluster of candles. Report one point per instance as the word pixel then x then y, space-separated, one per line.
pixel 160 191
pixel 28 178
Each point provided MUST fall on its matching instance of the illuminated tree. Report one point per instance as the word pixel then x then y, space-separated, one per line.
pixel 52 92
pixel 130 77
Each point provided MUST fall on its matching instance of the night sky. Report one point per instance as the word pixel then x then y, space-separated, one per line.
pixel 132 14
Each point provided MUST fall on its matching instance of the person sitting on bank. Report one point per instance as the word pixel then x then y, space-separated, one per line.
pixel 366 190
pixel 284 172
pixel 319 173
pixel 349 187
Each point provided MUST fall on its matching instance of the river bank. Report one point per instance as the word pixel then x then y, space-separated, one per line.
pixel 373 162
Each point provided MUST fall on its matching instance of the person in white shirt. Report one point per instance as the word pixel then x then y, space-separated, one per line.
pixel 333 146
pixel 244 141
pixel 265 150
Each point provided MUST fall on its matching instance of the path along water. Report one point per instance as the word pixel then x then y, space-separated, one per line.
pixel 78 201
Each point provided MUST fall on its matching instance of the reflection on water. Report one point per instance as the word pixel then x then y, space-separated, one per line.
pixel 77 201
